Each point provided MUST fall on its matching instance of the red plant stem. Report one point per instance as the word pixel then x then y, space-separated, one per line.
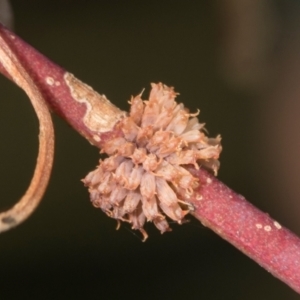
pixel 51 79
pixel 219 208
pixel 253 232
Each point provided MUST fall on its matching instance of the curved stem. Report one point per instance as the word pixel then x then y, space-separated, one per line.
pixel 27 204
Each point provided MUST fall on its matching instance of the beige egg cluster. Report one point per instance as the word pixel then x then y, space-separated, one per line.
pixel 144 177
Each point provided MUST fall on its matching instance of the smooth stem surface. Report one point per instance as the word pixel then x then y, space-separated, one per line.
pixel 219 208
pixel 253 232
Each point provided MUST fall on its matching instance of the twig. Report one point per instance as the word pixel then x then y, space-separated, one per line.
pixel 215 205
pixel 255 233
pixel 39 182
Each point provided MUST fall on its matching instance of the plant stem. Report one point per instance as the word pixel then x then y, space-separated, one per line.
pixel 39 182
pixel 263 239
pixel 86 111
pixel 215 205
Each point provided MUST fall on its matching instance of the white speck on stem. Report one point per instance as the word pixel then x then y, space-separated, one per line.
pixel 267 228
pixel 96 138
pixel 50 81
pixel 277 225
pixel 258 226
pixel 208 181
pixel 199 197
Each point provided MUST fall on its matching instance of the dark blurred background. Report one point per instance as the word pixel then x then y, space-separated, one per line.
pixel 236 60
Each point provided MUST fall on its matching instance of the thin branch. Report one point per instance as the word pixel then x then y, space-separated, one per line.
pixel 215 205
pixel 28 203
pixel 255 233
pixel 88 112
